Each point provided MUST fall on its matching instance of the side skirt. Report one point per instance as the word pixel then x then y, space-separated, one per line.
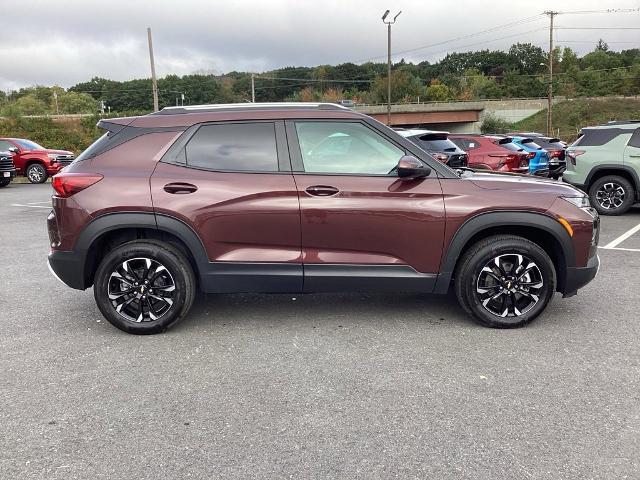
pixel 240 277
pixel 366 278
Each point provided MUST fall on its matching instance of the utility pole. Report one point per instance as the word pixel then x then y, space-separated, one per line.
pixel 253 88
pixel 388 24
pixel 154 81
pixel 550 89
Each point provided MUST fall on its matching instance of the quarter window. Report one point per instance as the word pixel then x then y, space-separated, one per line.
pixel 634 141
pixel 345 148
pixel 234 147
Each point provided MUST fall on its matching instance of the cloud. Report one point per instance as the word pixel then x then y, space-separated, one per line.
pixel 65 42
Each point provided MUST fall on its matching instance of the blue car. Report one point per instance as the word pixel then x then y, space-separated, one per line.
pixel 539 162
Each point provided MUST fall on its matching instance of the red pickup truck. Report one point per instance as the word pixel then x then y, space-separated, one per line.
pixel 34 161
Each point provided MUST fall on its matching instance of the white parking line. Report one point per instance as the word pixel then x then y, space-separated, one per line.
pixel 39 203
pixel 622 238
pixel 621 249
pixel 29 206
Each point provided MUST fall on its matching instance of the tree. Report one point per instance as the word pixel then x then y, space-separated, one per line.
pixel 438 92
pixel 403 85
pixel 527 59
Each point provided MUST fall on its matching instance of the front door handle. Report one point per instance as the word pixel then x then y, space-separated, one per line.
pixel 322 190
pixel 634 156
pixel 180 188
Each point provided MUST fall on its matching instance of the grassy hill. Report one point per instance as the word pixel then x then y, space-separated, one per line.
pixel 571 115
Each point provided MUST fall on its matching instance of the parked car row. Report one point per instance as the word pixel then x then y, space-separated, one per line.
pixel 523 153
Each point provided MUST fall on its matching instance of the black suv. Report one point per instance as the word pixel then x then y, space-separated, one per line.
pixel 7 169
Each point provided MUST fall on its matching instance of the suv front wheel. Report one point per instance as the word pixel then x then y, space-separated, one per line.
pixel 144 287
pixel 611 195
pixel 505 281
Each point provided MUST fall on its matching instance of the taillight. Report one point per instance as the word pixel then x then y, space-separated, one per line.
pixel 555 153
pixel 531 155
pixel 441 157
pixel 67 184
pixel 574 154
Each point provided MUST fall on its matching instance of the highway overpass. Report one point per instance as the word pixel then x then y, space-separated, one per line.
pixel 456 116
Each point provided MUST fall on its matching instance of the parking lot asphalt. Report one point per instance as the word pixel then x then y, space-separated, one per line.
pixel 318 386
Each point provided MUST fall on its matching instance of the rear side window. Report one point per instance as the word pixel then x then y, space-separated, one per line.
pixel 595 137
pixel 634 141
pixel 93 149
pixel 248 147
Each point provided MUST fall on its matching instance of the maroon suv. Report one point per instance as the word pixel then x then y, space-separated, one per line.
pixel 304 198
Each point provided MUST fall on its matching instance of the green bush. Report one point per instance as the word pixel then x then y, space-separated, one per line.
pixel 493 124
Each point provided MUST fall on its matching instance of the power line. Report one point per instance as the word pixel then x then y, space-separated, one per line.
pixel 444 42
pixel 597 28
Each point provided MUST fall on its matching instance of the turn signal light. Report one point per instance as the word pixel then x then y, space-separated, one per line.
pixel 67 184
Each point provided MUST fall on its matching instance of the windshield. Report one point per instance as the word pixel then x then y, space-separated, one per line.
pixel 429 143
pixel 511 146
pixel 531 144
pixel 28 144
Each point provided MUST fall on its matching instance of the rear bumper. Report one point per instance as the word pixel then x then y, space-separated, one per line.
pixel 68 267
pixel 578 277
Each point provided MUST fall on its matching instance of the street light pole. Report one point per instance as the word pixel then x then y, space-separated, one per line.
pixel 389 23
pixel 551 14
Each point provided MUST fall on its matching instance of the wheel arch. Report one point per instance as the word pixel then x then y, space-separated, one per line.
pixel 614 169
pixel 541 229
pixel 109 230
pixel 30 161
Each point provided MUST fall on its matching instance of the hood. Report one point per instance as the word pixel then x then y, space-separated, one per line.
pixel 516 182
pixel 48 150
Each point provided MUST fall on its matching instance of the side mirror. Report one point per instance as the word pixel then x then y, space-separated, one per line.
pixel 410 167
pixel 14 150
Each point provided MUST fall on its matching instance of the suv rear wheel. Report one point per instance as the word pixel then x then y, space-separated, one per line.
pixel 611 195
pixel 144 287
pixel 505 281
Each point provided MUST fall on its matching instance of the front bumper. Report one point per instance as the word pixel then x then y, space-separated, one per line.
pixel 578 277
pixel 3 174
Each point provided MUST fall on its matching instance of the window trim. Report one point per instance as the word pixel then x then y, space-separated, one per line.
pixel 297 165
pixel 282 149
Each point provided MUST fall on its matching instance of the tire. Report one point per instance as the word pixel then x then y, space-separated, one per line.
pixel 165 300
pixel 612 195
pixel 4 182
pixel 474 284
pixel 36 173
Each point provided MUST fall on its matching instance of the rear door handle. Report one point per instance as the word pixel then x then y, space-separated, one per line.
pixel 180 188
pixel 322 190
pixel 634 156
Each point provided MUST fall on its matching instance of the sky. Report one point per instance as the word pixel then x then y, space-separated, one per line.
pixel 63 42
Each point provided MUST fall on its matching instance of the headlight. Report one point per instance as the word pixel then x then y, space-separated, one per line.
pixel 52 156
pixel 580 202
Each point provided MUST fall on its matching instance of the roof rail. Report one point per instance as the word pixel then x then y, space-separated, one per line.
pixel 222 107
pixel 621 122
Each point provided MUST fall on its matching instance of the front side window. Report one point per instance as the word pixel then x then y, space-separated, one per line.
pixel 249 147
pixel 345 148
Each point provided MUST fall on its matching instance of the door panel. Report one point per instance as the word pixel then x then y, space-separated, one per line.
pixel 373 221
pixel 248 218
pixel 240 217
pixel 632 152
